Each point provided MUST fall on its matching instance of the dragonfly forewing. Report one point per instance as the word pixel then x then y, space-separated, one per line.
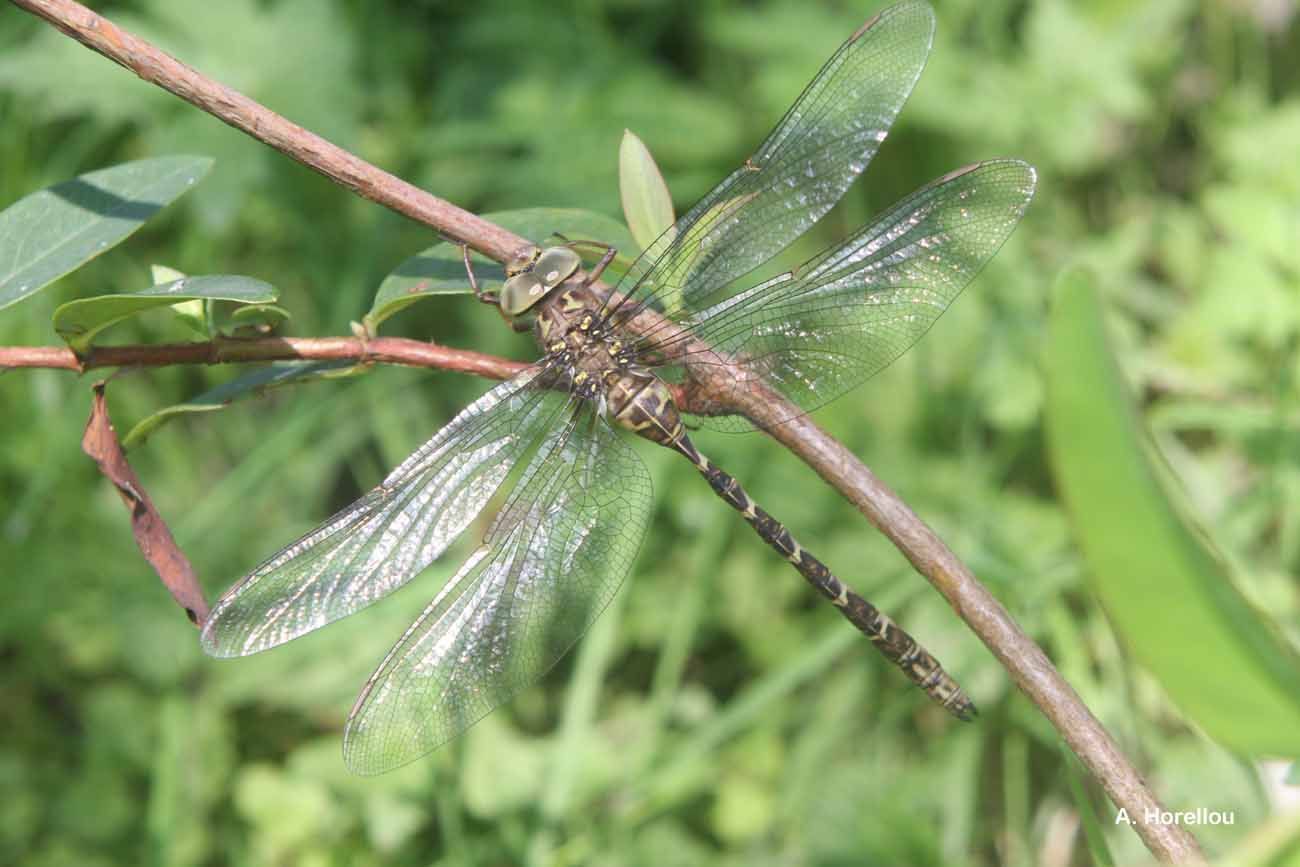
pixel 798 173
pixel 551 562
pixel 384 539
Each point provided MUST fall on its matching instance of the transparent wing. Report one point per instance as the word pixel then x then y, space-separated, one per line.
pixel 385 538
pixel 802 169
pixel 548 566
pixel 844 315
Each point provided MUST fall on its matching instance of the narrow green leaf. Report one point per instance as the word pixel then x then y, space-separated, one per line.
pixel 440 270
pixel 54 231
pixel 253 383
pixel 79 321
pixel 647 207
pixel 1166 590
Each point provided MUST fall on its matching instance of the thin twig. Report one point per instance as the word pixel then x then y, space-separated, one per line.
pixel 384 350
pixel 375 350
pixel 1030 668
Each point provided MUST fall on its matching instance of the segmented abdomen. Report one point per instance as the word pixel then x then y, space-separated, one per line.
pixel 897 646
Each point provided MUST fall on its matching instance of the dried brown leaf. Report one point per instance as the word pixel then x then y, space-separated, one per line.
pixel 151 533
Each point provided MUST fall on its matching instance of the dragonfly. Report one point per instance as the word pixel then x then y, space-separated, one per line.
pixel 551 443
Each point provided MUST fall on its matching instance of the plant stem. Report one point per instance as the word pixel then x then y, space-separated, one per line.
pixel 380 350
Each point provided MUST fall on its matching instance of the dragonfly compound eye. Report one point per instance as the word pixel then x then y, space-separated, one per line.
pixel 557 264
pixel 533 273
pixel 521 292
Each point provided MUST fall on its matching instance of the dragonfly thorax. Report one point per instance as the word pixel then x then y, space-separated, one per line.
pixel 600 366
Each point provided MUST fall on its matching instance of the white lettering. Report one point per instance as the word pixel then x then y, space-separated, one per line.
pixel 1199 816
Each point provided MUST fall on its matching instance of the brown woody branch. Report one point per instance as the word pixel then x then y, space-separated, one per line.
pixel 380 350
pixel 1027 664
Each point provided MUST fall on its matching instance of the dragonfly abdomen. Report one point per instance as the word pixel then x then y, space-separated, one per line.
pixel 892 640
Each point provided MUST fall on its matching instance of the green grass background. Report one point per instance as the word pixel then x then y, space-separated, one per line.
pixel 718 713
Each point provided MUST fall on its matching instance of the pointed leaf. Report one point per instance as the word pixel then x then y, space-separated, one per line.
pixel 1164 587
pixel 440 270
pixel 647 207
pixel 253 383
pixel 79 321
pixel 54 231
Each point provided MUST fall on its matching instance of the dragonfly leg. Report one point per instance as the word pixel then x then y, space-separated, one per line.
pixel 889 638
pixel 493 298
pixel 594 274
pixel 479 293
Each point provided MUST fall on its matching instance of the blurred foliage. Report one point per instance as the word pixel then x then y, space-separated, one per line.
pixel 1236 680
pixel 719 713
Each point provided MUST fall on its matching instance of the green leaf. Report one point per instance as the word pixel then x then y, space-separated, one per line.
pixel 440 270
pixel 208 318
pixel 249 384
pixel 79 321
pixel 54 231
pixel 1166 590
pixel 248 320
pixel 647 207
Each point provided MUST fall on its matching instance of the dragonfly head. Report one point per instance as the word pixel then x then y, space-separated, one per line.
pixel 531 274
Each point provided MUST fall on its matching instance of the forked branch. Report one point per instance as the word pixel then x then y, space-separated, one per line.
pixel 1026 663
